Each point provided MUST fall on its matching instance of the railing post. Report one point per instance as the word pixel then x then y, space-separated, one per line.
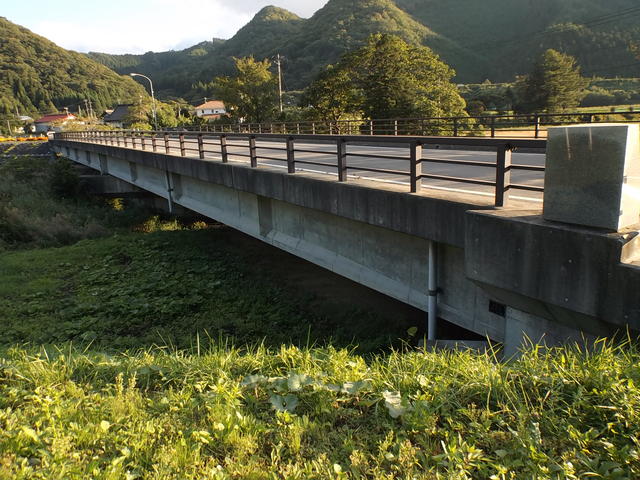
pixel 183 151
pixel 253 154
pixel 117 138
pixel 125 138
pixel 133 140
pixel 154 143
pixel 503 175
pixel 455 127
pixel 298 128
pixel 223 149
pixel 416 167
pixel 167 149
pixel 342 160
pixel 493 127
pixel 291 161
pixel 536 124
pixel 371 127
pixel 200 146
pixel 313 128
pixel 395 128
pixel 143 142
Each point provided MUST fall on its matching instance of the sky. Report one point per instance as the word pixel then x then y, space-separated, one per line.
pixel 138 26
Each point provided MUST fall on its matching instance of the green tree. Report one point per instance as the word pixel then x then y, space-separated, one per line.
pixel 140 115
pixel 387 78
pixel 252 94
pixel 333 95
pixel 555 84
pixel 401 80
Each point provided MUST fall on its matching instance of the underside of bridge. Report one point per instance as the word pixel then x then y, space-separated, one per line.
pixel 504 273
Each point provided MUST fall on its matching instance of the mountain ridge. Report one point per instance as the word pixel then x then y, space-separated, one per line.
pixel 37 76
pixel 493 39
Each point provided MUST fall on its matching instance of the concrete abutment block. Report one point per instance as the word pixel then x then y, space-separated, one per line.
pixel 592 176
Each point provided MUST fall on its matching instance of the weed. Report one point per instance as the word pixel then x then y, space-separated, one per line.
pixel 319 413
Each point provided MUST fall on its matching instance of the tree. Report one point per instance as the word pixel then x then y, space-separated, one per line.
pixel 402 80
pixel 140 115
pixel 388 78
pixel 555 84
pixel 252 94
pixel 333 95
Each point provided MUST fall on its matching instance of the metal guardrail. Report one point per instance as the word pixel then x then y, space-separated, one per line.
pixel 493 126
pixel 199 144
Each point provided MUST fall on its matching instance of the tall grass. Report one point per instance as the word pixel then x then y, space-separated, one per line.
pixel 42 205
pixel 319 413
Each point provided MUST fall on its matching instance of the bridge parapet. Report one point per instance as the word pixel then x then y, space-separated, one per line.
pixel 410 155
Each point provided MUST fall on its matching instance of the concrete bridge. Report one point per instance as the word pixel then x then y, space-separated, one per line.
pixel 453 226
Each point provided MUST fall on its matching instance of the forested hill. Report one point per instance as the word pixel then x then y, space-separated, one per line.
pixel 506 35
pixel 481 39
pixel 37 76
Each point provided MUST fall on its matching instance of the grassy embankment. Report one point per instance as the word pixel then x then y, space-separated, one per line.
pixel 234 391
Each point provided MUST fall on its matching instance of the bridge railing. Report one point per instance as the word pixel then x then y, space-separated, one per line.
pixel 532 125
pixel 332 152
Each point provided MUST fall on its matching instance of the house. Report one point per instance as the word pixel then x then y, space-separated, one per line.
pixel 213 109
pixel 118 116
pixel 54 122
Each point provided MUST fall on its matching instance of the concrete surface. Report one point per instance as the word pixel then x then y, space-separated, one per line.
pixel 593 175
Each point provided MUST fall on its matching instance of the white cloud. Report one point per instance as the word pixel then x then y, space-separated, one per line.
pixel 158 25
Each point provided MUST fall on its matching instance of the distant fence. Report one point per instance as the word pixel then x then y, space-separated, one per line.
pixel 494 126
pixel 331 152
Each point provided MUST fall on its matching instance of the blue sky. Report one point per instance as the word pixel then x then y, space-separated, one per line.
pixel 137 26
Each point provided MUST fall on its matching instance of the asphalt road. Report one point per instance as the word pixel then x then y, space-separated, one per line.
pixel 325 153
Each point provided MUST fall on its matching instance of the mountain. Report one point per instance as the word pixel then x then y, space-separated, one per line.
pixel 481 39
pixel 507 35
pixel 171 71
pixel 37 76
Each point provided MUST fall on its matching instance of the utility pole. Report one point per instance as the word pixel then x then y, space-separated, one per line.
pixel 279 63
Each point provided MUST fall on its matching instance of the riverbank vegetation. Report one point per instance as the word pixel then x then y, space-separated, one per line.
pixel 172 349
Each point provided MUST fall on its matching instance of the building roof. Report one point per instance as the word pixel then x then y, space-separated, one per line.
pixel 118 114
pixel 55 117
pixel 211 104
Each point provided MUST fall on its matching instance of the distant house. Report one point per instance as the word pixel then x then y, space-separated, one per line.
pixel 213 109
pixel 118 116
pixel 54 122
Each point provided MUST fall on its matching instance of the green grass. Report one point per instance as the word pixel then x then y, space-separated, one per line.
pixel 257 413
pixel 137 290
pixel 174 353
